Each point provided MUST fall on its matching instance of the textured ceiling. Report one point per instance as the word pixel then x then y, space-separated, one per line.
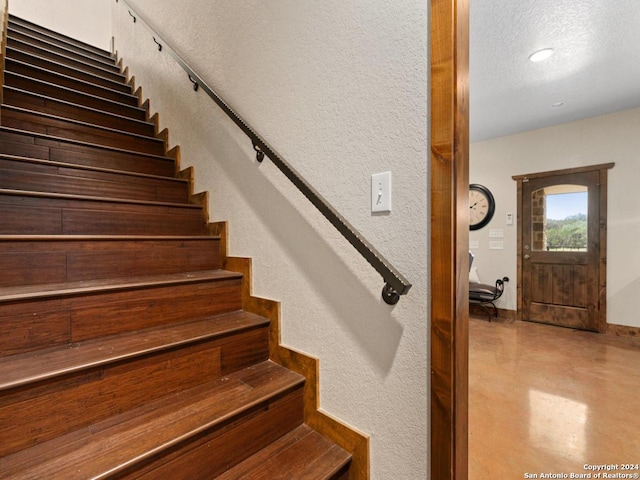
pixel 595 68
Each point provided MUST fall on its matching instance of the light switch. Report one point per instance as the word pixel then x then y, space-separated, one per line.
pixel 509 218
pixel 381 192
pixel 496 245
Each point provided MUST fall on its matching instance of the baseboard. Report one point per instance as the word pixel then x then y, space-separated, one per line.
pixel 504 316
pixel 623 331
pixel 343 435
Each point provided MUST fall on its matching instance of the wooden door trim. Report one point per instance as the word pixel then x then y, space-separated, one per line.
pixel 449 202
pixel 602 232
pixel 564 171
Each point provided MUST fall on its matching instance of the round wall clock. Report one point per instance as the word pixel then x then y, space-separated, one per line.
pixel 481 206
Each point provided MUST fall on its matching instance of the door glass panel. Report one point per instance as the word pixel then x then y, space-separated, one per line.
pixel 559 218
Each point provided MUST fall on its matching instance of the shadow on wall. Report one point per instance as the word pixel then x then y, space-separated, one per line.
pixel 369 319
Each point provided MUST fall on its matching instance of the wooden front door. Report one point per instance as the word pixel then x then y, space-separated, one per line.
pixel 562 248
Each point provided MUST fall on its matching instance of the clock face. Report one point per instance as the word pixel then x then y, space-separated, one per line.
pixel 481 206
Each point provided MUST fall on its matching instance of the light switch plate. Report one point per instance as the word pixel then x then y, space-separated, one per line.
pixel 496 245
pixel 381 192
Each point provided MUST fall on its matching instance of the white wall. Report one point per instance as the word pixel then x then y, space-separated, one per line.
pixel 85 20
pixel 340 90
pixel 604 139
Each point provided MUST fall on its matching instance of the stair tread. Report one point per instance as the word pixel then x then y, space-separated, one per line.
pixel 133 98
pixel 301 454
pixel 107 68
pixel 83 182
pixel 23 369
pixel 13 19
pixel 22 46
pixel 97 79
pixel 62 75
pixel 113 445
pixel 66 196
pixel 77 105
pixel 15 31
pixel 102 128
pixel 66 238
pixel 31 292
pixel 71 45
pixel 75 166
pixel 82 143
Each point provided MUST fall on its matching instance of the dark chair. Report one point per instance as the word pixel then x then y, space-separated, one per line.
pixel 484 295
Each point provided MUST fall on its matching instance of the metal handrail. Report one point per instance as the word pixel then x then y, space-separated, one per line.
pixel 395 283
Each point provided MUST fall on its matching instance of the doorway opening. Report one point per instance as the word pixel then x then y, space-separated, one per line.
pixel 562 247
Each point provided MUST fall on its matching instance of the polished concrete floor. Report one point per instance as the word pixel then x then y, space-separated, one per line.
pixel 546 399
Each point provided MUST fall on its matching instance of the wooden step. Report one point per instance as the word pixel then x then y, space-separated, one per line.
pixel 37 213
pixel 36 317
pixel 20 173
pixel 301 453
pixel 107 73
pixel 139 367
pixel 74 96
pixel 44 365
pixel 108 64
pixel 47 147
pixel 61 127
pixel 70 71
pixel 49 38
pixel 192 422
pixel 42 103
pixel 34 260
pixel 45 75
pixel 17 21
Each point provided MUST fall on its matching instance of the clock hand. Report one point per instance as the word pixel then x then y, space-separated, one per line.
pixel 474 205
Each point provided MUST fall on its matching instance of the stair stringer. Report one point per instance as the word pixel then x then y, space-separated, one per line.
pixel 356 443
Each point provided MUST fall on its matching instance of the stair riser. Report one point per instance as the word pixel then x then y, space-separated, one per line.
pixel 46 410
pixel 69 82
pixel 217 451
pixel 19 98
pixel 24 24
pixel 25 145
pixel 34 122
pixel 41 262
pixel 44 323
pixel 73 96
pixel 50 39
pixel 70 71
pixel 107 73
pixel 106 64
pixel 26 215
pixel 21 175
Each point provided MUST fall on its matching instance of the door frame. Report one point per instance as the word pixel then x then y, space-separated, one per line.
pixel 602 170
pixel 449 230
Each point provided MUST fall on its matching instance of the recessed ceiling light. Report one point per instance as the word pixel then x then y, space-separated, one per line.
pixel 541 55
pixel 557 104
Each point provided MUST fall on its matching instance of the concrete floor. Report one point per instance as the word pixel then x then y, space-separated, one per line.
pixel 546 399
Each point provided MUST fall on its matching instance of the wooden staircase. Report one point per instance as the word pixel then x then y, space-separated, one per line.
pixel 125 352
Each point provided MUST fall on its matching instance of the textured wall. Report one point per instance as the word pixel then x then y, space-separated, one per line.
pixel 86 20
pixel 340 90
pixel 603 139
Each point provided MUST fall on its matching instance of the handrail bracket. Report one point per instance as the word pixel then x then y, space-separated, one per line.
pixel 259 152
